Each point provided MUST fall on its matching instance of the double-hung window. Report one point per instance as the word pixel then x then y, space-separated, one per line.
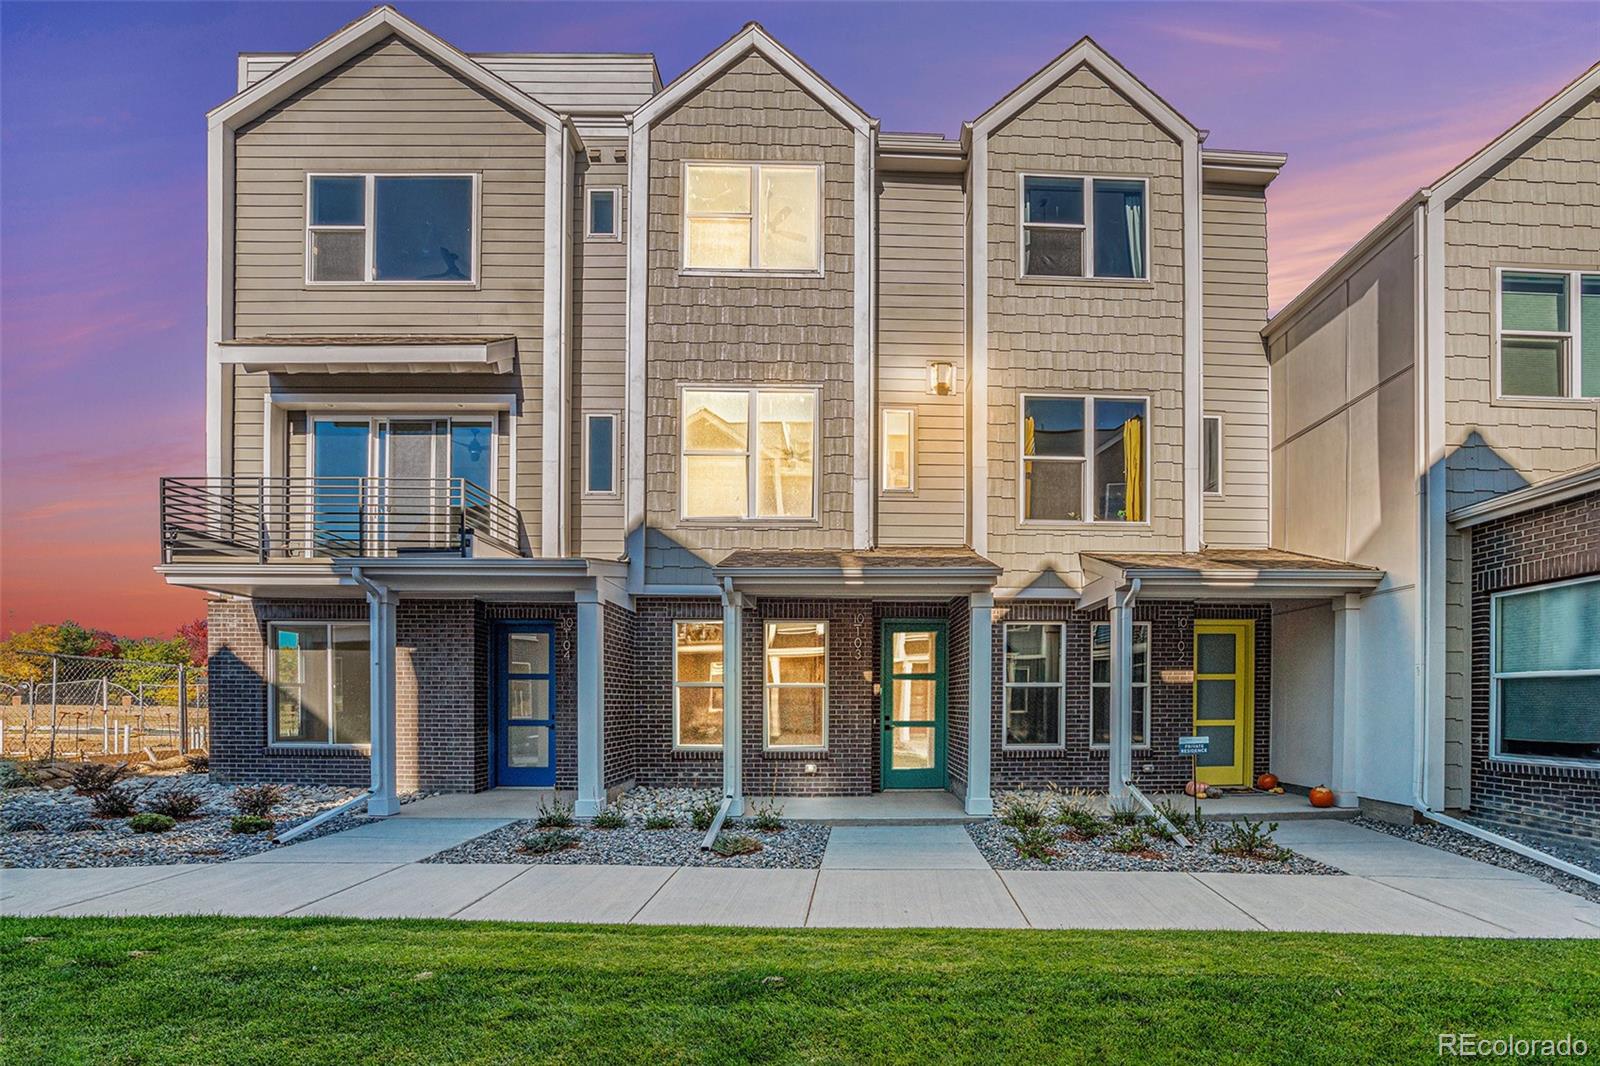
pixel 697 684
pixel 796 655
pixel 733 473
pixel 1100 684
pixel 752 217
pixel 389 228
pixel 1549 333
pixel 1545 663
pixel 1035 685
pixel 1084 458
pixel 319 683
pixel 1077 227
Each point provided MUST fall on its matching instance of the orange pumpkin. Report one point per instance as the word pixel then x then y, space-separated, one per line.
pixel 1267 782
pixel 1322 796
pixel 1192 787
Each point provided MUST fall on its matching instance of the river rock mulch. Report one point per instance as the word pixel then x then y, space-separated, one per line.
pixel 994 839
pixel 1459 843
pixel 56 827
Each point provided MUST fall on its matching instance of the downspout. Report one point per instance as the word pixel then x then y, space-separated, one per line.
pixel 1121 770
pixel 381 794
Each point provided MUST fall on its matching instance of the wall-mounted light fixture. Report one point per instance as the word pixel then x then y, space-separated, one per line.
pixel 941 377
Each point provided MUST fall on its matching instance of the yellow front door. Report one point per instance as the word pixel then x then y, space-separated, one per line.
pixel 1224 698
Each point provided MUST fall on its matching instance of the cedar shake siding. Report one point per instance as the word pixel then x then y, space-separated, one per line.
pixel 1083 336
pixel 750 329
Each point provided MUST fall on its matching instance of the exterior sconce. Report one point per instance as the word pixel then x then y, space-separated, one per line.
pixel 941 378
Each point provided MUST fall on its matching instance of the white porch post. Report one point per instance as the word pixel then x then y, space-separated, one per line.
pixel 591 705
pixel 381 632
pixel 732 757
pixel 1121 746
pixel 980 703
pixel 1345 760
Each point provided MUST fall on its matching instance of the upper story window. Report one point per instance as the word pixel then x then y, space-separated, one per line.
pixel 752 217
pixel 899 449
pixel 1072 475
pixel 391 228
pixel 602 216
pixel 600 454
pixel 1211 457
pixel 1549 333
pixel 1545 661
pixel 730 472
pixel 1078 227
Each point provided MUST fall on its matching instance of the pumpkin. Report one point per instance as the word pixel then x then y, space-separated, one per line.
pixel 1267 782
pixel 1322 796
pixel 1193 788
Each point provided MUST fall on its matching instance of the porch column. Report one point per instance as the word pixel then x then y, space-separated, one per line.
pixel 1345 758
pixel 1121 746
pixel 381 603
pixel 591 705
pixel 980 703
pixel 732 757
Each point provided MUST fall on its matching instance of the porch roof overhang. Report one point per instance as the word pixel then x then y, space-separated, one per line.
pixel 372 354
pixel 1225 574
pixel 423 577
pixel 915 571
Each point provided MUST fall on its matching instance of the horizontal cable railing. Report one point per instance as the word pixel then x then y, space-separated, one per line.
pixel 358 517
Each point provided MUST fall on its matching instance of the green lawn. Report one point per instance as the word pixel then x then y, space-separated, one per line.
pixel 283 991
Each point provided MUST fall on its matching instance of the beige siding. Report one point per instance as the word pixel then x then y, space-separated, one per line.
pixel 578 82
pixel 1237 383
pixel 392 109
pixel 922 317
pixel 1541 208
pixel 750 329
pixel 1089 336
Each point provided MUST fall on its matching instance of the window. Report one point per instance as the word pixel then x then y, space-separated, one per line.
pixel 602 214
pixel 1059 240
pixel 697 685
pixel 319 680
pixel 1545 663
pixel 899 449
pixel 797 684
pixel 1549 333
pixel 391 228
pixel 1071 476
pixel 600 455
pixel 728 473
pixel 1100 684
pixel 752 216
pixel 1211 460
pixel 1035 690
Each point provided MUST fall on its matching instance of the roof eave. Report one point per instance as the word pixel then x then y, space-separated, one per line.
pixel 1544 494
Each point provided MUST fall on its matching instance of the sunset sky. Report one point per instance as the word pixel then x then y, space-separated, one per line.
pixel 102 186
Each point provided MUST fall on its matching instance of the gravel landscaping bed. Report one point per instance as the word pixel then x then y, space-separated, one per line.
pixel 1459 843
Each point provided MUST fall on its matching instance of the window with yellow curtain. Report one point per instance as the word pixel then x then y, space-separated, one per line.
pixel 1069 475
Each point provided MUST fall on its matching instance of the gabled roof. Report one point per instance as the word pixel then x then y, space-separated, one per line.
pixel 754 38
pixel 345 44
pixel 1086 53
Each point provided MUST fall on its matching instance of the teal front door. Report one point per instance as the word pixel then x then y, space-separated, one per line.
pixel 915 690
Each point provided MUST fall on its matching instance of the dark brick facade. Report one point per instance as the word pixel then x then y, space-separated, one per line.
pixel 1560 804
pixel 621 716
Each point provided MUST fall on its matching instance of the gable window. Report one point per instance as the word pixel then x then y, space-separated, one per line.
pixel 899 449
pixel 1549 333
pixel 730 472
pixel 319 680
pixel 1545 663
pixel 391 228
pixel 600 454
pixel 1071 474
pixel 752 217
pixel 1076 227
pixel 697 684
pixel 1035 687
pixel 1100 684
pixel 1211 459
pixel 796 655
pixel 602 214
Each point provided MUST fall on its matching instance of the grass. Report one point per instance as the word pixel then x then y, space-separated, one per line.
pixel 286 991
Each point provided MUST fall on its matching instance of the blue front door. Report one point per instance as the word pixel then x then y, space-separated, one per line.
pixel 524 704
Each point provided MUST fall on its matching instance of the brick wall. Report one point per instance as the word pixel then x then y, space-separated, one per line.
pixel 960 671
pixel 1560 804
pixel 621 720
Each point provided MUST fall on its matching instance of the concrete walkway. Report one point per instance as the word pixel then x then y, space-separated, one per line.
pixel 871 876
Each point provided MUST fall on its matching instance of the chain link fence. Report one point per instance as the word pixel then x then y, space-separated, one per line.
pixel 81 707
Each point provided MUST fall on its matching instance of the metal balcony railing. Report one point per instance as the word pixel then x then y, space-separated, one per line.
pixel 323 517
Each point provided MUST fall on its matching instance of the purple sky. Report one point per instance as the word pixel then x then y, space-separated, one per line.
pixel 102 186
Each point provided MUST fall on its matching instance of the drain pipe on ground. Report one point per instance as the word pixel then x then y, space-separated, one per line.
pixel 1161 819
pixel 312 823
pixel 716 824
pixel 1515 846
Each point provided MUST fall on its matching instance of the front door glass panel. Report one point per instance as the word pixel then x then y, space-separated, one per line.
pixel 913 694
pixel 525 702
pixel 1223 705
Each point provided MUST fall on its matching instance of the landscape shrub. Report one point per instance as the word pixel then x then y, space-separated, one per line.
pixel 179 801
pixel 118 801
pixel 610 818
pixel 1034 842
pixel 557 815
pixel 728 845
pixel 703 814
pixel 661 820
pixel 150 822
pixel 551 840
pixel 89 778
pixel 257 800
pixel 250 823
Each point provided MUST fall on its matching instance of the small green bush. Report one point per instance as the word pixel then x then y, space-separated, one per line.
pixel 768 817
pixel 1177 815
pixel 118 801
pixel 250 823
pixel 661 820
pixel 257 800
pixel 180 801
pixel 557 815
pixel 150 822
pixel 1034 842
pixel 90 778
pixel 549 841
pixel 1085 823
pixel 728 845
pixel 1245 839
pixel 1125 813
pixel 610 818
pixel 1134 839
pixel 703 814
pixel 1025 811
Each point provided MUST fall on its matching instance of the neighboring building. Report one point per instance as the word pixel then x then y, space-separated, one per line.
pixel 565 429
pixel 1436 393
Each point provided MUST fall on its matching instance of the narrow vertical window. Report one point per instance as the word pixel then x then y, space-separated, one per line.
pixel 697 684
pixel 796 655
pixel 600 455
pixel 1211 460
pixel 899 449
pixel 1053 458
pixel 1535 334
pixel 602 214
pixel 338 228
pixel 1035 692
pixel 1100 684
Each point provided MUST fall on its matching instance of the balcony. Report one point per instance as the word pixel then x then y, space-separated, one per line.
pixel 263 519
